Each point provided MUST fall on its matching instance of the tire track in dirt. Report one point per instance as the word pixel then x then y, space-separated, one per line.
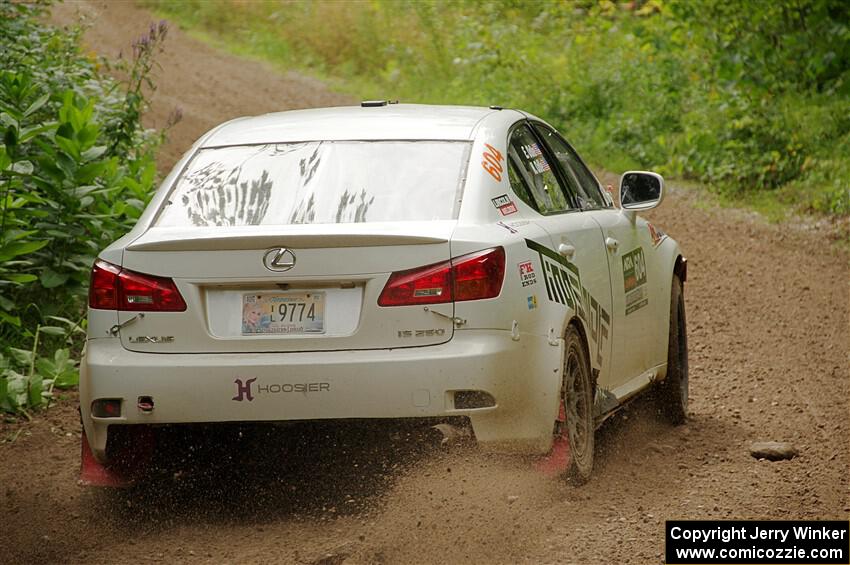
pixel 768 332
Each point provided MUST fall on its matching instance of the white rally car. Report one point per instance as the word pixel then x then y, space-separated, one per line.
pixel 385 261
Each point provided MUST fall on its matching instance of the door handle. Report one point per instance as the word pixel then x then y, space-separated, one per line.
pixel 612 244
pixel 567 250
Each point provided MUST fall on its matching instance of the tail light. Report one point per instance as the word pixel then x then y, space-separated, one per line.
pixel 114 288
pixel 475 276
pixel 479 275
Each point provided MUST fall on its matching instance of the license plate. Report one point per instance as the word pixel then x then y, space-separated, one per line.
pixel 286 314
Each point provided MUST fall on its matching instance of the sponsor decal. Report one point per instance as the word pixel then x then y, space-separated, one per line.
pixel 500 201
pixel 492 162
pixel 243 390
pixel 504 204
pixel 507 227
pixel 634 280
pixel 527 276
pixel 532 302
pixel 248 391
pixel 540 165
pixel 656 234
pixel 532 151
pixel 508 209
pixel 563 285
pixel 535 157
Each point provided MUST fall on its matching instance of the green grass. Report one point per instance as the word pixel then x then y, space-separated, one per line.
pixel 684 87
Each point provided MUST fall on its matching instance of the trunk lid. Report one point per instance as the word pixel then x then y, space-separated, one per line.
pixel 327 301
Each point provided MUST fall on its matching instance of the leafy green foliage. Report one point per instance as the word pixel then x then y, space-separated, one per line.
pixel 27 380
pixel 76 170
pixel 743 96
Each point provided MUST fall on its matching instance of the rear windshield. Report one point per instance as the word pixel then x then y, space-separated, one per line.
pixel 321 182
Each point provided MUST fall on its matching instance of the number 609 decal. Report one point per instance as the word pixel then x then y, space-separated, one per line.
pixel 492 162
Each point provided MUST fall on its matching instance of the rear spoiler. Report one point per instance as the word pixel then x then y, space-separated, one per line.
pixel 300 236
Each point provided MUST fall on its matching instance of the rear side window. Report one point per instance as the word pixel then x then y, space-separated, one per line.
pixel 579 177
pixel 319 182
pixel 518 184
pixel 531 175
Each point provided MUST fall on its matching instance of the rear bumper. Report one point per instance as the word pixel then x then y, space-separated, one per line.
pixel 522 376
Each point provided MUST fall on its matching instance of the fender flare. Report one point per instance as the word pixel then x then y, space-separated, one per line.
pixel 681 268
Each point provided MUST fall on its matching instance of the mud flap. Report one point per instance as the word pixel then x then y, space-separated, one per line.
pixel 557 461
pixel 94 474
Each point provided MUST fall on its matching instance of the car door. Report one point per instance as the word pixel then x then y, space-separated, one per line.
pixel 628 246
pixel 639 310
pixel 575 268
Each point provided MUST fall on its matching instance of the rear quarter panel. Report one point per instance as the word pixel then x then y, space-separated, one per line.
pixel 492 215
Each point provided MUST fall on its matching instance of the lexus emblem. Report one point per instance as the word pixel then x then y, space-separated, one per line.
pixel 280 259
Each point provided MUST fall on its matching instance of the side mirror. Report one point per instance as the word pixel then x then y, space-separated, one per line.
pixel 641 190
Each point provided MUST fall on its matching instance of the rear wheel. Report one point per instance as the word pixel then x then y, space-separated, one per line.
pixel 578 400
pixel 673 390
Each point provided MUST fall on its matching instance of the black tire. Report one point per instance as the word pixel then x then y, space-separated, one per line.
pixel 578 400
pixel 673 390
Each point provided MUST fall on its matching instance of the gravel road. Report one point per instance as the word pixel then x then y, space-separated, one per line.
pixel 768 321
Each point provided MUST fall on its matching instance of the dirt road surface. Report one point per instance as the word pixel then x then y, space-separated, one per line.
pixel 768 322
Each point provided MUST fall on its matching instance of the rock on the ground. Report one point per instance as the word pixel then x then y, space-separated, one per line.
pixel 773 450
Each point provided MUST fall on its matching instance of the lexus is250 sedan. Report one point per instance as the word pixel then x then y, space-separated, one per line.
pixel 386 261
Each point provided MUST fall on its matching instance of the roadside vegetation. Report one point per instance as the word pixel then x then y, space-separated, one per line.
pixel 751 99
pixel 76 170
